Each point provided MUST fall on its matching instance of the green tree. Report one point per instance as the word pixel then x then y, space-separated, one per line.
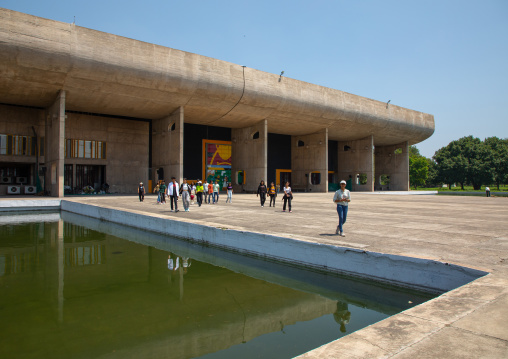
pixel 464 160
pixel 418 168
pixel 418 171
pixel 498 159
pixel 432 179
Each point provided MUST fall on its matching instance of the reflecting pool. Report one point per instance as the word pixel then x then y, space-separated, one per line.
pixel 74 287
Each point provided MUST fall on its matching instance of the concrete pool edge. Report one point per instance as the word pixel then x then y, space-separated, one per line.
pixel 422 274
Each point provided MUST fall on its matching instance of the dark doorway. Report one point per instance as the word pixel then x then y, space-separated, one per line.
pixel 284 177
pixel 89 175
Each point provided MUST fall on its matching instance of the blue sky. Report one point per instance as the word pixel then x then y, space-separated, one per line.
pixel 448 58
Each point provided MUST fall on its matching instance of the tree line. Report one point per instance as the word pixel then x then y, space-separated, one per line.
pixel 466 161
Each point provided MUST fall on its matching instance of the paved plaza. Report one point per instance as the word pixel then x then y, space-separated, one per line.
pixel 468 322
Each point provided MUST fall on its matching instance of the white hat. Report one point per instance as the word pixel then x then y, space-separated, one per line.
pixel 341 182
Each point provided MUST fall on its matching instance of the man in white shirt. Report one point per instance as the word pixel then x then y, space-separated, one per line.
pixel 216 189
pixel 342 197
pixel 173 194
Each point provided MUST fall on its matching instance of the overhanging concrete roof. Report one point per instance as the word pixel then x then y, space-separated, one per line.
pixel 110 74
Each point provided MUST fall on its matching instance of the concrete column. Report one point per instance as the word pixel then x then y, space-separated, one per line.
pixel 356 162
pixel 249 151
pixel 167 145
pixel 55 144
pixel 392 161
pixel 309 153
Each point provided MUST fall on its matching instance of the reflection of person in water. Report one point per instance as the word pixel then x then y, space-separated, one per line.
pixel 342 315
pixel 178 265
pixel 186 263
pixel 173 264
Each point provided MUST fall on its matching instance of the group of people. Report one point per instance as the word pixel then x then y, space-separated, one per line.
pixel 209 192
pixel 263 190
pixel 203 193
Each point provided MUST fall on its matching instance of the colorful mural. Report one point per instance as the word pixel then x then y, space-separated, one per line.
pixel 217 161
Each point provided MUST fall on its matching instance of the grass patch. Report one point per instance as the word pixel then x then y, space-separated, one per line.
pixel 468 191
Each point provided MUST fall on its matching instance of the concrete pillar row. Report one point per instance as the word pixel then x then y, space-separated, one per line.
pixel 55 147
pixel 249 153
pixel 309 155
pixel 356 163
pixel 167 146
pixel 392 167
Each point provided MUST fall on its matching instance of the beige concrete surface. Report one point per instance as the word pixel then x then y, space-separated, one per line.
pixel 468 322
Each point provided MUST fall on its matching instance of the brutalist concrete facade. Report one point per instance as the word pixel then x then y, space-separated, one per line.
pixel 62 69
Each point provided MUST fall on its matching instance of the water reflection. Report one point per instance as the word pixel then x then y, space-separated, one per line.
pixel 71 291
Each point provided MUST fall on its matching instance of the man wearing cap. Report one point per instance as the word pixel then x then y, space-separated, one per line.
pixel 342 197
pixel 141 192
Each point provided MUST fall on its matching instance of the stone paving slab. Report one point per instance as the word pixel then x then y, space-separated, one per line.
pixel 468 322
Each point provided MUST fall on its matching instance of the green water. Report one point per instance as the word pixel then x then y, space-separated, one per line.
pixel 70 287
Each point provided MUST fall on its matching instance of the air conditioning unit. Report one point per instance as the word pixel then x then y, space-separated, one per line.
pixel 13 190
pixel 30 189
pixel 5 180
pixel 21 180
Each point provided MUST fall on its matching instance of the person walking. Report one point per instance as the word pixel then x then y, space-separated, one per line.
pixel 185 190
pixel 342 197
pixel 192 191
pixel 156 190
pixel 199 193
pixel 141 192
pixel 173 192
pixel 216 188
pixel 230 193
pixel 262 193
pixel 288 196
pixel 205 192
pixel 210 192
pixel 487 191
pixel 272 192
pixel 162 192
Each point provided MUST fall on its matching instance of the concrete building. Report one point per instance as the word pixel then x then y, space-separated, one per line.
pixel 81 107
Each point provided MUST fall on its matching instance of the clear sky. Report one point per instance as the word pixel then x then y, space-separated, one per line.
pixel 448 58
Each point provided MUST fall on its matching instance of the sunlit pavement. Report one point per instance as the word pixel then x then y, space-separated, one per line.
pixel 468 322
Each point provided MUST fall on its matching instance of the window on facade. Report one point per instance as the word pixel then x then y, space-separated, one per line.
pixel 3 144
pixel 315 178
pixel 88 149
pixel 362 179
pixel 300 143
pixel 384 180
pixel 240 177
pixel 347 148
pixel 255 136
pixel 17 145
pixel 398 151
pixel 68 176
pixel 85 149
